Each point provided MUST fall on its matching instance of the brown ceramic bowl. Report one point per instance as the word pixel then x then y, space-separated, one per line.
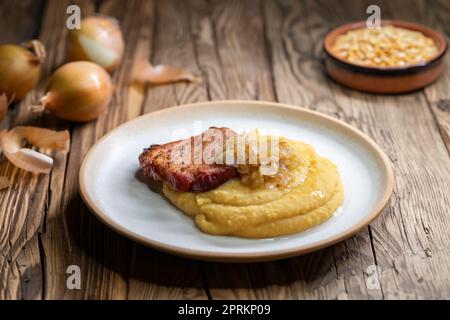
pixel 384 79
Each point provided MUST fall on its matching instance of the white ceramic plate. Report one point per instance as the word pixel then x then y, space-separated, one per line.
pixel 110 188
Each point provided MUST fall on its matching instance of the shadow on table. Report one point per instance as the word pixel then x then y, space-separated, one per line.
pixel 146 267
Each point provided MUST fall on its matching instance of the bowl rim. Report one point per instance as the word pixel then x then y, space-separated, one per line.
pixel 396 70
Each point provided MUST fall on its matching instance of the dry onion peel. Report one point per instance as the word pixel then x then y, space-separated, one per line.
pixel 37 48
pixel 145 72
pixel 3 106
pixel 27 159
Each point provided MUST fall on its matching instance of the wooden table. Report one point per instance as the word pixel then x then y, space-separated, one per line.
pixel 264 50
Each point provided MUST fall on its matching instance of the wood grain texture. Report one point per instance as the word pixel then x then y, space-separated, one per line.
pixel 231 50
pixel 438 95
pixel 252 49
pixel 27 12
pixel 403 126
pixel 240 45
pixel 74 235
pixel 23 206
pixel 336 273
pixel 157 275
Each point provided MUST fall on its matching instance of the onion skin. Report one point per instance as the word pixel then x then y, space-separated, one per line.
pixel 20 69
pixel 99 40
pixel 78 91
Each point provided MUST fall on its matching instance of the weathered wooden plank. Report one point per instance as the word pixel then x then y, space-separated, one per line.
pixel 302 83
pixel 412 227
pixel 438 95
pixel 252 49
pixel 208 57
pixel 74 235
pixel 21 217
pixel 245 60
pixel 240 44
pixel 23 274
pixel 157 275
pixel 229 37
pixel 173 44
pixel 427 274
pixel 22 207
pixel 434 14
pixel 20 20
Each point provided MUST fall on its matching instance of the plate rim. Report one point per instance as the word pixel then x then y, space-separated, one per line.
pixel 243 257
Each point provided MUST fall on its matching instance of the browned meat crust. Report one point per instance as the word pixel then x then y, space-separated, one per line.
pixel 175 162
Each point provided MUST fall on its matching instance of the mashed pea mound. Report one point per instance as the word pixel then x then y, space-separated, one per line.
pixel 313 195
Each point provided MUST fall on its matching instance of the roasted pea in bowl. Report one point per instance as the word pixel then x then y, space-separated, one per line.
pixel 397 57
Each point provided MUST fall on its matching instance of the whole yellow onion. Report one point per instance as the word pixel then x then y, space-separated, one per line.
pixel 20 68
pixel 99 40
pixel 78 91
